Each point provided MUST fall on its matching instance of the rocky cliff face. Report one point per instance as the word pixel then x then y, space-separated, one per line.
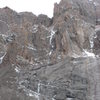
pixel 50 59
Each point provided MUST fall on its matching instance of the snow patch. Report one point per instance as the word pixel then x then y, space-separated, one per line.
pixel 50 53
pixel 17 70
pixel 84 54
pixel 95 3
pixel 69 99
pixel 45 27
pixel 32 93
pixel 97 27
pixel 1 58
pixel 75 55
pixel 91 43
pixel 4 36
pixel 95 36
pixel 48 85
pixel 89 54
pixel 31 47
pixel 34 29
pixel 5 23
pixel 59 57
pixel 52 33
pixel 90 0
pixel 28 91
pixel 53 99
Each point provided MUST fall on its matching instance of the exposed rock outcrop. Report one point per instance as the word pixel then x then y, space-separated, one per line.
pixel 50 59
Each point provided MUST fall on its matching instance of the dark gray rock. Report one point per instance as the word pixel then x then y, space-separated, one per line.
pixel 50 59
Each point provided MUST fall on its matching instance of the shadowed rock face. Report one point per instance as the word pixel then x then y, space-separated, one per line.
pixel 50 59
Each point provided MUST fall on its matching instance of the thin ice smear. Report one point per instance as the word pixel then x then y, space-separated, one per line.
pixel 52 33
pixel 51 36
pixel 39 87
